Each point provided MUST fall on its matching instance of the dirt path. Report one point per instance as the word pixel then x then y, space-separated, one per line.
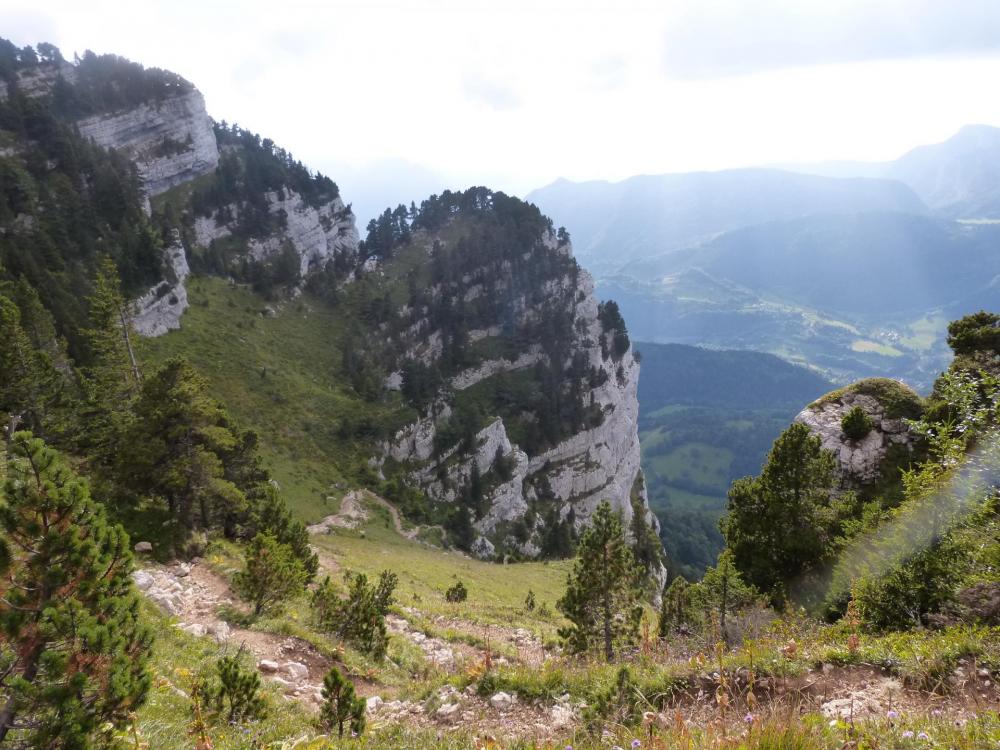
pixel 193 594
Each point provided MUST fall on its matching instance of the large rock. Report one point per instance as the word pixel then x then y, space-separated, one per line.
pixel 159 310
pixel 888 404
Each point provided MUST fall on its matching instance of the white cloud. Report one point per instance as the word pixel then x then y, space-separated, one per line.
pixel 515 94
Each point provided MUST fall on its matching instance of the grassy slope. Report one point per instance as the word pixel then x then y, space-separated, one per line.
pixel 279 376
pixel 496 593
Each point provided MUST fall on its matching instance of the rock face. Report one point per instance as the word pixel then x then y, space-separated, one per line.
pixel 592 465
pixel 171 141
pixel 860 462
pixel 159 310
pixel 317 233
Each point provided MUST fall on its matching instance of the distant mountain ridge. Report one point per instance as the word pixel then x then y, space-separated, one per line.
pixel 958 178
pixel 650 214
pixel 852 270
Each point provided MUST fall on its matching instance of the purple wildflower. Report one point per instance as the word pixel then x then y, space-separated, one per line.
pixel 893 715
pixel 748 718
pixel 636 744
pixel 907 735
pixel 923 736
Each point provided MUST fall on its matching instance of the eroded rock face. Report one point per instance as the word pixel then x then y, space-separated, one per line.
pixel 171 141
pixel 159 310
pixel 602 463
pixel 860 461
pixel 317 233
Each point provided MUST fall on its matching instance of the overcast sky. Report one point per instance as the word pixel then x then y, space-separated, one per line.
pixel 512 94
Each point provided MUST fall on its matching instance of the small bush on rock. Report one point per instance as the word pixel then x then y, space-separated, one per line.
pixel 856 424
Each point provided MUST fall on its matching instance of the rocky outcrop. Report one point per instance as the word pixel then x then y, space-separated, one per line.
pixel 596 464
pixel 159 310
pixel 170 141
pixel 317 234
pixel 861 462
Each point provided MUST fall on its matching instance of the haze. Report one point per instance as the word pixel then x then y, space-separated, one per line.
pixel 399 99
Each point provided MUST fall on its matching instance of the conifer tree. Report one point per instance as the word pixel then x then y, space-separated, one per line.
pixel 30 387
pixel 113 378
pixel 272 575
pixel 177 447
pixel 72 646
pixel 778 524
pixel 341 704
pixel 602 599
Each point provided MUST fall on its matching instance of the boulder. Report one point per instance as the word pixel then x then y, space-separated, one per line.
pixel 143 547
pixel 143 580
pixel 502 701
pixel 448 712
pixel 373 704
pixel 561 716
pixel 296 670
pixel 266 665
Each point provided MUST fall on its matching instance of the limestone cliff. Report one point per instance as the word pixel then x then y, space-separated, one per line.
pixel 564 481
pixel 171 141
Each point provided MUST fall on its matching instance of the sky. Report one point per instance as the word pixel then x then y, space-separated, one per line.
pixel 395 100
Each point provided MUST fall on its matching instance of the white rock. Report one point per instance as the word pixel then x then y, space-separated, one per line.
pixel 448 711
pixel 267 665
pixel 373 704
pixel 143 547
pixel 296 670
pixel 143 580
pixel 502 701
pixel 194 628
pixel 220 631
pixel 561 716
pixel 142 132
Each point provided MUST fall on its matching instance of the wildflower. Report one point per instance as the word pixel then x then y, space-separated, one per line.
pixel 907 735
pixel 636 744
pixel 748 718
pixel 892 715
pixel 923 736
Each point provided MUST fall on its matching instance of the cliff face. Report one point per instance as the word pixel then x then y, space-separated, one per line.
pixel 317 234
pixel 170 141
pixel 565 481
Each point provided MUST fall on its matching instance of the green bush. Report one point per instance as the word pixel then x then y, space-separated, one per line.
pixel 856 424
pixel 457 593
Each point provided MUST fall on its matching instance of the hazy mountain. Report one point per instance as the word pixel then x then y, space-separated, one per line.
pixel 613 223
pixel 958 178
pixel 853 295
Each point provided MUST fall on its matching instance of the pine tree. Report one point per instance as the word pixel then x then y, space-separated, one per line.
pixel 113 378
pixel 272 576
pixel 341 704
pixel 31 390
pixel 177 448
pixel 675 607
pixel 73 647
pixel 778 523
pixel 602 599
pixel 270 515
pixel 237 691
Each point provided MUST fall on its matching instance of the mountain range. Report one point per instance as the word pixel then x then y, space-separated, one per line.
pixel 852 271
